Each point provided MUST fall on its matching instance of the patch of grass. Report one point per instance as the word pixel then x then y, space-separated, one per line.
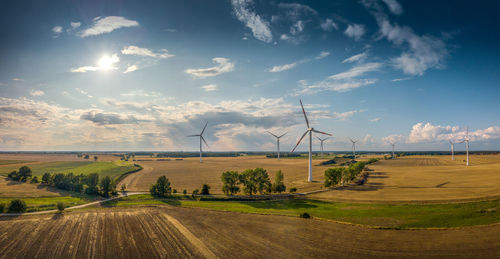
pixel 385 215
pixel 50 203
pixel 111 169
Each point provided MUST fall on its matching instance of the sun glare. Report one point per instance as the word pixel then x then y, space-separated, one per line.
pixel 106 62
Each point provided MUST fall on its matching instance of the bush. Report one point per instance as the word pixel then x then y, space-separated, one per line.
pixel 293 190
pixel 123 188
pixel 278 185
pixel 14 176
pixel 34 179
pixel 205 189
pixel 47 179
pixel 60 206
pixel 174 191
pixel 372 160
pixel 196 192
pixel 184 192
pixel 305 215
pixel 2 207
pixel 333 176
pixel 17 206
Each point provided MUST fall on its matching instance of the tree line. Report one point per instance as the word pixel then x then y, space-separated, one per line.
pixel 344 175
pixel 253 181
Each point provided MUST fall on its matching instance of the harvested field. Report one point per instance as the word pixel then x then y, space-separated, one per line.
pixel 425 178
pixel 13 189
pixel 171 232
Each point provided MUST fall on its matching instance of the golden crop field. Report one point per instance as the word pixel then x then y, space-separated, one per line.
pixel 425 178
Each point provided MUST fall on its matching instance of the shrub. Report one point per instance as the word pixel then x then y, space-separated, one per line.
pixel 17 206
pixel 34 179
pixel 305 215
pixel 293 190
pixel 184 192
pixel 174 191
pixel 230 182
pixel 333 176
pixel 123 188
pixel 196 192
pixel 372 160
pixel 60 206
pixel 2 207
pixel 278 185
pixel 47 179
pixel 205 189
pixel 14 176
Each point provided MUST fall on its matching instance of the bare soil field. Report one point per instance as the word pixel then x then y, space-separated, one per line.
pixel 172 232
pixel 12 189
pixel 190 174
pixel 425 178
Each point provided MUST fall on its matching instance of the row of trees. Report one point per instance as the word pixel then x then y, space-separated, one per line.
pixel 163 188
pixel 343 175
pixel 23 175
pixel 253 181
pixel 89 184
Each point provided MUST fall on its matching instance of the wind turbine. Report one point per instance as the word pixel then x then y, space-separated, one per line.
pixel 201 138
pixel 278 141
pixel 452 144
pixel 353 146
pixel 322 140
pixel 310 131
pixel 466 140
pixel 392 144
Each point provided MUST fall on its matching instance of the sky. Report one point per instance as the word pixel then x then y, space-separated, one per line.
pixel 142 75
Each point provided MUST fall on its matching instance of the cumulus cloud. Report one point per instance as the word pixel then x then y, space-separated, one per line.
pixel 222 66
pixel 37 93
pixel 75 25
pixel 328 25
pixel 57 30
pixel 355 58
pixel 144 52
pixel 297 27
pixel 394 6
pixel 355 31
pixel 107 25
pixel 342 82
pixel 243 10
pixel 209 88
pixel 131 68
pixel 344 115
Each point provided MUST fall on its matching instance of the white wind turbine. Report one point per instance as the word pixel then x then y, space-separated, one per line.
pixel 278 141
pixel 310 131
pixel 201 138
pixel 353 146
pixel 466 140
pixel 321 140
pixel 392 144
pixel 452 145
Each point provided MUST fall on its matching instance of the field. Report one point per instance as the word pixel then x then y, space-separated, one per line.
pixel 190 174
pixel 425 179
pixel 161 232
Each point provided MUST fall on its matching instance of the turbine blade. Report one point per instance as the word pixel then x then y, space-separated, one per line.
pixel 318 138
pixel 351 140
pixel 321 132
pixel 305 116
pixel 272 134
pixel 204 128
pixel 283 134
pixel 202 138
pixel 298 142
pixel 193 136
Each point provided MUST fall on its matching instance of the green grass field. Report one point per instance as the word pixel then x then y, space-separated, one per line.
pixel 112 169
pixel 393 216
pixel 50 203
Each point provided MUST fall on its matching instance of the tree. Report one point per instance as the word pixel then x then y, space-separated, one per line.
pixel 278 185
pixel 47 179
pixel 333 176
pixel 255 180
pixel 17 206
pixel 196 192
pixel 60 206
pixel 95 158
pixel 24 173
pixel 86 157
pixel 14 176
pixel 184 192
pixel 123 188
pixel 205 189
pixel 34 179
pixel 230 182
pixel 2 207
pixel 59 181
pixel 263 181
pixel 161 188
pixel 92 180
pixel 106 186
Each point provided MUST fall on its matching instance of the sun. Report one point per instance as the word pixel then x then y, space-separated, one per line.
pixel 107 62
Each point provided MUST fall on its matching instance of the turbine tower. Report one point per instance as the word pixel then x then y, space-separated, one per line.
pixel 310 131
pixel 201 138
pixel 466 140
pixel 452 144
pixel 278 141
pixel 353 146
pixel 392 144
pixel 322 140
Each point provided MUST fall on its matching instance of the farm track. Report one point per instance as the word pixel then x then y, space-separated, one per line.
pixel 174 232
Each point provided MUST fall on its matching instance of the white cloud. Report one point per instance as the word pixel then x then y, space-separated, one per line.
pixel 244 12
pixel 297 27
pixel 107 25
pixel 57 29
pixel 284 37
pixel 400 79
pixel 106 62
pixel 131 69
pixel 355 58
pixel 344 115
pixel 75 25
pixel 375 119
pixel 84 92
pixel 223 66
pixel 421 132
pixel 83 69
pixel 283 67
pixel 209 88
pixel 394 6
pixel 37 93
pixel 294 10
pixel 322 54
pixel 342 82
pixel 355 31
pixel 144 52
pixel 17 79
pixel 329 25
pixel 395 138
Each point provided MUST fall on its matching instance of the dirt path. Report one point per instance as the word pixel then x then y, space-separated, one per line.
pixel 133 180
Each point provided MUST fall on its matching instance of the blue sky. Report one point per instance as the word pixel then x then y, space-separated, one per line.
pixel 129 75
